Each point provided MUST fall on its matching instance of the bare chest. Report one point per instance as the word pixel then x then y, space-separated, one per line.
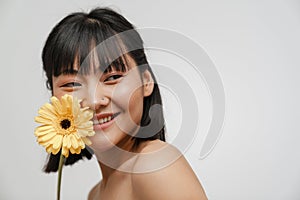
pixel 115 190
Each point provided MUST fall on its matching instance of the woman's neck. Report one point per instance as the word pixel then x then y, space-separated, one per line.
pixel 117 159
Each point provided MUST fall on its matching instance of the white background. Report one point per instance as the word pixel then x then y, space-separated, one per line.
pixel 255 47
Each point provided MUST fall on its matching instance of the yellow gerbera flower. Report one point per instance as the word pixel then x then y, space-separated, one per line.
pixel 64 126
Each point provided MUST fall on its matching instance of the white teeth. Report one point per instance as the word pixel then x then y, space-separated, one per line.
pixel 102 120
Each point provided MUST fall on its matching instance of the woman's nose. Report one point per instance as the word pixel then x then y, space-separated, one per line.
pixel 95 98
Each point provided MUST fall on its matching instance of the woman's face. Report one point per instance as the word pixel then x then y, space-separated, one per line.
pixel 116 98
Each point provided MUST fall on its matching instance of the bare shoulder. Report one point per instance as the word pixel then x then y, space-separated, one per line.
pixel 94 192
pixel 162 172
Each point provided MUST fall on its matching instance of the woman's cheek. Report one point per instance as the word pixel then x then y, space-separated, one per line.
pixel 128 91
pixel 128 97
pixel 58 93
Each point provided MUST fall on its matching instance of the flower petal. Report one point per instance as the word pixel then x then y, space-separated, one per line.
pixel 82 132
pixel 91 133
pixel 75 151
pixel 50 108
pixel 42 120
pixel 49 149
pixel 81 144
pixel 43 130
pixel 86 125
pixel 84 116
pixel 47 112
pixel 57 142
pixel 46 144
pixel 65 152
pixel 47 137
pixel 56 104
pixel 65 141
pixel 55 151
pixel 73 141
pixel 69 143
pixel 86 141
pixel 76 107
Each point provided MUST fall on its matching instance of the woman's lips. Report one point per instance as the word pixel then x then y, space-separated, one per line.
pixel 102 126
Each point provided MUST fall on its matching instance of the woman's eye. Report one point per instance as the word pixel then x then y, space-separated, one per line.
pixel 113 78
pixel 71 84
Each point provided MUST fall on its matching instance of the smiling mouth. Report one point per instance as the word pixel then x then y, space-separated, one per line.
pixel 102 120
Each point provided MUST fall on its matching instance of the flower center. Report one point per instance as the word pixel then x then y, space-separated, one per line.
pixel 65 124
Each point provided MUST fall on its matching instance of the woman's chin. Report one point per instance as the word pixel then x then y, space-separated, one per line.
pixel 100 143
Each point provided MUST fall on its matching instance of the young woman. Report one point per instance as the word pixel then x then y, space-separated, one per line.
pixel 99 57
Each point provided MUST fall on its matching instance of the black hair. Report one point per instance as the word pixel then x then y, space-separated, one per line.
pixel 73 38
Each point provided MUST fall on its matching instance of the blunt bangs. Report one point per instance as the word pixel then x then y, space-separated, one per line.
pixel 85 43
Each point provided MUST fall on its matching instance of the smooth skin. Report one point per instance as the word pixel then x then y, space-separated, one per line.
pixel 176 181
pixel 156 170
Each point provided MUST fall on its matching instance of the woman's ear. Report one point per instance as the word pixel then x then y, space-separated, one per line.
pixel 148 83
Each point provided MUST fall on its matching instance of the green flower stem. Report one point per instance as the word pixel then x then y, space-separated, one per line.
pixel 60 166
